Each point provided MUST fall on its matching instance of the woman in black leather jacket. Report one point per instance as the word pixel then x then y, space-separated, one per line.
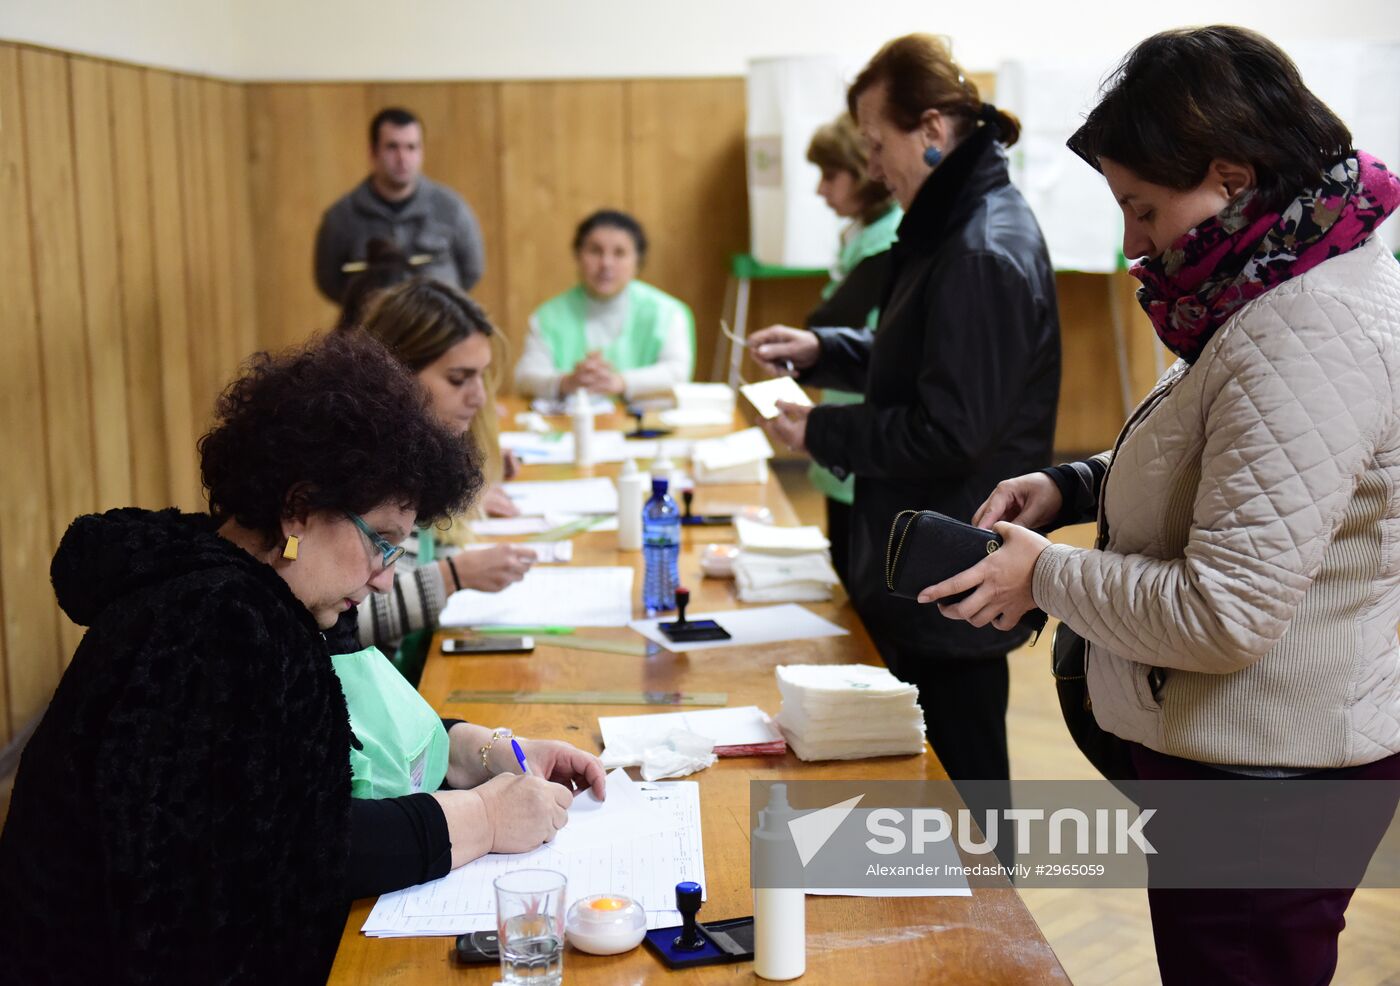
pixel 961 379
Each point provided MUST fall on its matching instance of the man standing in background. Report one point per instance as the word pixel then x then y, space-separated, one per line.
pixel 429 222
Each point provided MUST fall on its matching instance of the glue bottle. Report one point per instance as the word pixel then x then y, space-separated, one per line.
pixel 582 414
pixel 632 487
pixel 779 912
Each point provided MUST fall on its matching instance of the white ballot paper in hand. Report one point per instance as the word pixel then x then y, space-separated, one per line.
pixel 765 394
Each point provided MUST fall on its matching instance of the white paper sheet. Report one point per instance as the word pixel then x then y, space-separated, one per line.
pixel 505 527
pixel 575 496
pixel 742 726
pixel 646 869
pixel 642 449
pixel 761 625
pixel 753 536
pixel 557 448
pixel 696 417
pixel 711 395
pixel 624 814
pixel 765 394
pixel 546 552
pixel 597 403
pixel 582 597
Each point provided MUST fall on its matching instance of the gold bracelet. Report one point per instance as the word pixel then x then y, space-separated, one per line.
pixel 500 733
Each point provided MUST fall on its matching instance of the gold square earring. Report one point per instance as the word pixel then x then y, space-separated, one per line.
pixel 290 551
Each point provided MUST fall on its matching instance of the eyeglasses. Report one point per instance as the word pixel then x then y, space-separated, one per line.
pixel 390 552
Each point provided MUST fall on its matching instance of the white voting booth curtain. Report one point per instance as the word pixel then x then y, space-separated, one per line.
pixel 788 98
pixel 1082 224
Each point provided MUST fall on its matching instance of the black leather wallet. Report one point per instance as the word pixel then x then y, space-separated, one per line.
pixel 927 547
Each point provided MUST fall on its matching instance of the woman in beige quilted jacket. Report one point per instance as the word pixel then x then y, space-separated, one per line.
pixel 1241 609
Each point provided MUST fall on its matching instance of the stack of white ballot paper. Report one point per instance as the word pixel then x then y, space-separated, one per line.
pixel 741 457
pixel 782 564
pixel 848 711
pixel 639 842
pixel 700 405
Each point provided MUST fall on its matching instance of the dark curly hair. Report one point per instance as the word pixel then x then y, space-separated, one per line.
pixel 337 424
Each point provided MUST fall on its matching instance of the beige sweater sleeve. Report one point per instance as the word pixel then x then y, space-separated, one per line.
pixel 1293 414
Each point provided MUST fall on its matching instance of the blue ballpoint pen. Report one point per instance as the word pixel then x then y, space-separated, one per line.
pixel 520 757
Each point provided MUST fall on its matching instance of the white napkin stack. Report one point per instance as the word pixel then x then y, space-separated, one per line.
pixel 848 712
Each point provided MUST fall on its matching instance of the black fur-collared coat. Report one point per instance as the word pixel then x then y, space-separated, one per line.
pixel 181 814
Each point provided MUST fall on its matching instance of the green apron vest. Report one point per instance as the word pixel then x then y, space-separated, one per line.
pixel 649 311
pixel 403 747
pixel 868 241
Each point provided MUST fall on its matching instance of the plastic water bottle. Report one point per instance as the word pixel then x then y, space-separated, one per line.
pixel 661 549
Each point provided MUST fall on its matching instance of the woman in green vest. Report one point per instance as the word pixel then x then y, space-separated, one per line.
pixel 610 333
pixel 852 296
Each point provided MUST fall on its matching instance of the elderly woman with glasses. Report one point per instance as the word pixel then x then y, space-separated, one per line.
pixel 183 809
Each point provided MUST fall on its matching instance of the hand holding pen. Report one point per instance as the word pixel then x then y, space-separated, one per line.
pixel 783 350
pixel 559 762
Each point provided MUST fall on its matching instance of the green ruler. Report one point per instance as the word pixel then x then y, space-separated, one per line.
pixel 590 698
pixel 568 530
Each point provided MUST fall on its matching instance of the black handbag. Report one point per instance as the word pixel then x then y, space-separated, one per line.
pixel 1107 752
pixel 926 547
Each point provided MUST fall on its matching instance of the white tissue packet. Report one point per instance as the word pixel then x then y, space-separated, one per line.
pixel 677 754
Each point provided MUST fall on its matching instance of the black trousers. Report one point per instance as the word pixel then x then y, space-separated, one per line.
pixel 838 532
pixel 964 702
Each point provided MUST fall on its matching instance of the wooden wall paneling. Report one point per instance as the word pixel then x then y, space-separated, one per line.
pixel 1147 357
pixel 239 257
pixel 309 146
pixel 30 630
pixel 175 328
pixel 1089 412
pixel 690 192
pixel 192 129
pixel 53 230
pixel 100 248
pixel 562 156
pixel 150 471
pixel 461 141
pixel 220 257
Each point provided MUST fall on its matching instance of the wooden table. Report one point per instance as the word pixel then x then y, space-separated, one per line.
pixel 987 938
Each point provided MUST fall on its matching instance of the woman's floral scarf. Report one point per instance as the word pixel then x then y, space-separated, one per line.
pixel 1213 270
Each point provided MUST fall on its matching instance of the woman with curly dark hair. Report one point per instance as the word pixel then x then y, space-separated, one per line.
pixel 183 811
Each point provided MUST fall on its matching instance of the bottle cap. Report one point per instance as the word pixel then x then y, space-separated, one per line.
pixel 775 817
pixel 629 469
pixel 662 467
